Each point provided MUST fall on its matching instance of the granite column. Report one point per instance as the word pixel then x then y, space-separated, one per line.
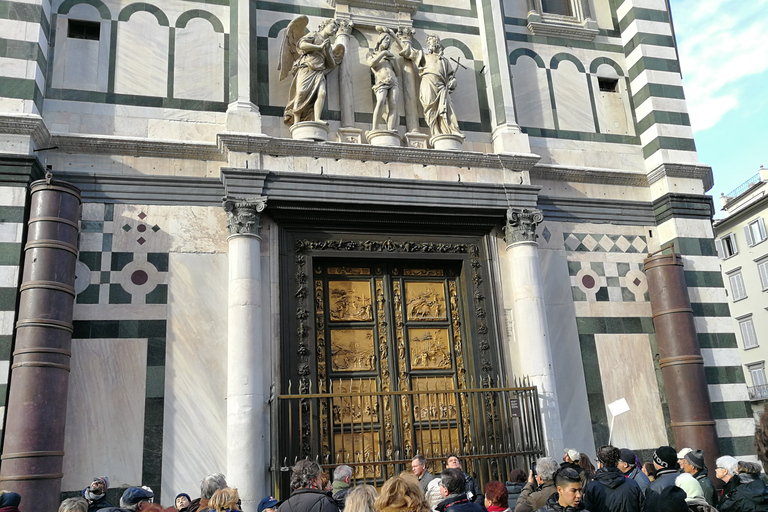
pixel 247 409
pixel 530 318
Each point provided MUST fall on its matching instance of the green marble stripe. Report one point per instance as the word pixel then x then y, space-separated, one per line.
pixel 710 309
pixel 25 12
pixel 648 39
pixel 724 375
pixel 152 460
pixel 562 42
pixel 731 410
pixel 253 55
pixel 112 61
pixel 233 38
pixel 717 340
pixel 582 136
pixel 592 102
pixel 210 2
pixel 594 385
pixel 21 88
pixel 493 54
pixel 552 102
pixel 653 64
pixel 8 299
pixel 11 214
pixel 171 62
pixel 675 143
pixel 658 91
pixel 638 13
pixel 141 101
pixel 703 279
pixel 262 71
pixel 10 253
pixel 694 246
pixel 663 117
pixel 736 446
pixel 3 394
pixel 5 346
pixel 614 325
pixel 89 329
pixel 294 9
pixel 24 50
pixel 446 27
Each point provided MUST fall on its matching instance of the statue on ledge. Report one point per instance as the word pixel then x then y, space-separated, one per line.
pixel 309 58
pixel 387 86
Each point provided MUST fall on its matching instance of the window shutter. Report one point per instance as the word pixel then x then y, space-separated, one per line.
pixel 734 248
pixel 737 287
pixel 763 270
pixel 748 333
pixel 748 234
pixel 761 227
pixel 719 248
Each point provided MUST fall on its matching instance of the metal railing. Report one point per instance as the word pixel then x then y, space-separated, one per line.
pixel 491 429
pixel 733 194
pixel 758 392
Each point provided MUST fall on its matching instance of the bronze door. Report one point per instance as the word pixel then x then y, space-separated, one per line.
pixel 386 327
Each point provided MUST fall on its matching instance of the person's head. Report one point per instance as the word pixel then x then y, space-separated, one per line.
pixel 586 463
pixel 672 499
pixel 74 505
pixel 99 485
pixel 608 456
pixel 571 455
pixel 496 495
pixel 545 469
pixel 665 457
pixel 267 504
pixel 433 44
pixel 649 468
pixel 451 481
pixel 419 465
pixel 690 485
pixel 681 456
pixel 342 473
pixel 452 461
pixel 136 498
pixel 306 473
pixel 568 484
pixel 182 500
pixel 517 475
pixel 726 467
pixel 693 462
pixel 626 460
pixel 211 484
pixel 748 468
pixel 401 494
pixel 325 481
pixel 362 498
pixel 224 499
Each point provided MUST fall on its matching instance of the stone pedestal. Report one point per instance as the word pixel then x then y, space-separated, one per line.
pixel 447 141
pixel 350 135
pixel 417 140
pixel 508 138
pixel 310 130
pixel 530 319
pixel 244 117
pixel 384 138
pixel 247 410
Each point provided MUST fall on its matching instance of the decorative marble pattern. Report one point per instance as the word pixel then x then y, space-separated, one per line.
pixel 608 281
pixel 588 242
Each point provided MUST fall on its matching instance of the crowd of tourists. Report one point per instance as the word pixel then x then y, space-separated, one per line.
pixel 619 482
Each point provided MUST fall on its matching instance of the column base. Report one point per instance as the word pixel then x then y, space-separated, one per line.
pixel 384 138
pixel 448 141
pixel 508 138
pixel 416 140
pixel 310 130
pixel 243 117
pixel 350 135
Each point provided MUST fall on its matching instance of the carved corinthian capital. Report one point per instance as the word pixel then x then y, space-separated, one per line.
pixel 345 27
pixel 244 215
pixel 521 225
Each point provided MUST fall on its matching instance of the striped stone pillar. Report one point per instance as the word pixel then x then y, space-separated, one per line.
pixel 33 448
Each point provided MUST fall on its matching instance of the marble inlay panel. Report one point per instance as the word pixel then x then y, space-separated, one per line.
pixel 194 433
pixel 105 412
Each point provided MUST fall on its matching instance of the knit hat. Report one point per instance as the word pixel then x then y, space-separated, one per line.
pixel 682 453
pixel 268 502
pixel 9 499
pixel 573 454
pixel 672 499
pixel 695 458
pixel 665 457
pixel 690 485
pixel 182 494
pixel 134 495
pixel 102 479
pixel 728 463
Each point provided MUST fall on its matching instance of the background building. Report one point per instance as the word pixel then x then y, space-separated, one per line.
pixel 521 254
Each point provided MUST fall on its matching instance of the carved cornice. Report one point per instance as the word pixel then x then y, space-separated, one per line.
pixel 135 146
pixel 588 175
pixel 244 215
pixel 521 225
pixel 241 143
pixel 31 125
pixel 690 171
pixel 409 6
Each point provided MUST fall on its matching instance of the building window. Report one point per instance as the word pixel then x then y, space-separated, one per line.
pixel 608 84
pixel 561 7
pixel 762 268
pixel 562 18
pixel 738 291
pixel 759 388
pixel 755 232
pixel 748 334
pixel 726 246
pixel 79 29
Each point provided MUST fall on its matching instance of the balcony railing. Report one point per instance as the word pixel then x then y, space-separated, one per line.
pixel 733 194
pixel 758 392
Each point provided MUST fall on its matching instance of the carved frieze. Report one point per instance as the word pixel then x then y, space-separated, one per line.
pixel 244 215
pixel 521 225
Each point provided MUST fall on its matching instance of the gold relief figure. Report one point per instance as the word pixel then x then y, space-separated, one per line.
pixel 429 349
pixel 359 447
pixel 354 410
pixel 434 405
pixel 438 442
pixel 425 300
pixel 350 301
pixel 352 350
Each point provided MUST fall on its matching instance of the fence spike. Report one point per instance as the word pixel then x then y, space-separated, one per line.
pixel 290 382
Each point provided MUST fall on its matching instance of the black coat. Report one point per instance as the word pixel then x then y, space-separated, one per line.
pixel 706 486
pixel 97 504
pixel 664 478
pixel 309 500
pixel 473 490
pixel 749 496
pixel 611 491
pixel 553 505
pixel 458 503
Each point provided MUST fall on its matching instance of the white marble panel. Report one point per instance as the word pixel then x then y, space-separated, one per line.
pixel 714 324
pixel 199 62
pixel 655 77
pixel 574 107
pixel 9 276
pixel 13 29
pixel 604 309
pixel 721 356
pixel 11 231
pixel 662 104
pixel 81 65
pixel 194 433
pixel 534 108
pixel 105 412
pixel 13 196
pixel 728 392
pixel 665 130
pixel 5 368
pixel 647 50
pixel 691 228
pixel 15 68
pixel 626 370
pixel 735 427
pixel 707 294
pixel 6 322
pixel 141 64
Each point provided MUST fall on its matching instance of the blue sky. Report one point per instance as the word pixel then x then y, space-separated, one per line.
pixel 723 46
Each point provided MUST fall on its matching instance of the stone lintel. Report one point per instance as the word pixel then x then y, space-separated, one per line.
pixel 588 175
pixel 690 171
pixel 136 146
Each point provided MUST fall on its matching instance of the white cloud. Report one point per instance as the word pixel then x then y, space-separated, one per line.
pixel 720 42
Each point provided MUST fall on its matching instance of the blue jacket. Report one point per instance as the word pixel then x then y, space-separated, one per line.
pixel 611 491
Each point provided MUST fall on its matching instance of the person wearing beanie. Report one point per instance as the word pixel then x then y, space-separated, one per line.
pixel 96 494
pixel 665 463
pixel 750 495
pixel 611 491
pixel 693 464
pixel 9 501
pixel 628 465
pixel 681 456
pixel 672 499
pixel 182 502
pixel 694 493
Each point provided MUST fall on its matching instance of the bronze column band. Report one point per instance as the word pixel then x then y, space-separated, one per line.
pixel 682 366
pixel 33 449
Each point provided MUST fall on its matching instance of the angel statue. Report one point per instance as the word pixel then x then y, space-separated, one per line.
pixel 308 57
pixel 385 71
pixel 438 80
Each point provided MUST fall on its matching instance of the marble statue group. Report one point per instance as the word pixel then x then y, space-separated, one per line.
pixel 393 60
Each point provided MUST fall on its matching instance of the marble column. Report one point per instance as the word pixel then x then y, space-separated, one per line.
pixel 242 114
pixel 347 132
pixel 530 319
pixel 247 409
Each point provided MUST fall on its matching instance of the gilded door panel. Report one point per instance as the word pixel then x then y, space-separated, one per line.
pixel 349 301
pixel 430 349
pixel 352 350
pixel 425 300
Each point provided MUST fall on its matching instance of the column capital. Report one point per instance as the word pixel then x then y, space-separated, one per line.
pixel 521 225
pixel 345 26
pixel 244 215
